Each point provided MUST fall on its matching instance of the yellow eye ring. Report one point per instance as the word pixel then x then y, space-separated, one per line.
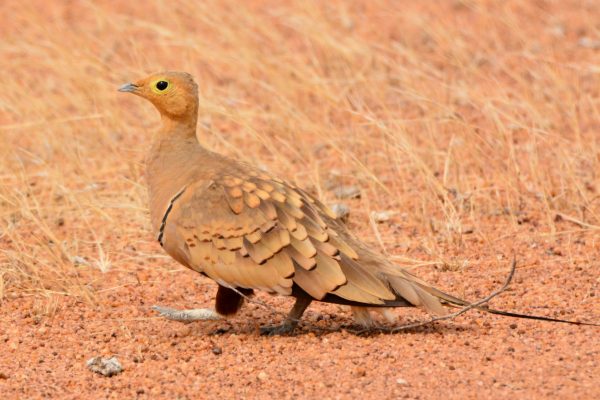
pixel 161 86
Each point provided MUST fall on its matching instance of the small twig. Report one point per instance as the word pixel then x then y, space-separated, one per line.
pixel 186 316
pixel 576 221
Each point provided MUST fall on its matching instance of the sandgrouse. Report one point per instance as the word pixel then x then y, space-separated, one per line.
pixel 248 230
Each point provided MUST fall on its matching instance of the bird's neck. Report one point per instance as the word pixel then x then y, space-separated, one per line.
pixel 177 128
pixel 173 143
pixel 174 158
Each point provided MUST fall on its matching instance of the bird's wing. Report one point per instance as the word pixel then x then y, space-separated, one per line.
pixel 250 230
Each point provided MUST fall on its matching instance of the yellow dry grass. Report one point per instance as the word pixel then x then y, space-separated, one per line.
pixel 449 112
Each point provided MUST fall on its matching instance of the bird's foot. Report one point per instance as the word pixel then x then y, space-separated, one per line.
pixel 278 330
pixel 186 316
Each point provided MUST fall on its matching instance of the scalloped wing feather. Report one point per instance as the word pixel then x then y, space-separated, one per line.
pixel 252 231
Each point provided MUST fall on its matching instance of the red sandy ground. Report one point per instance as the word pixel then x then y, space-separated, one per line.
pixel 475 356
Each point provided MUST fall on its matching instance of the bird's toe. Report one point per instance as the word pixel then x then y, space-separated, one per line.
pixel 277 330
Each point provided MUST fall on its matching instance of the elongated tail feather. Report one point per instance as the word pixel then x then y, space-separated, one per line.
pixel 453 301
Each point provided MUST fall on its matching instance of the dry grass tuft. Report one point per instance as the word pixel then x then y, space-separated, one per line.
pixel 461 115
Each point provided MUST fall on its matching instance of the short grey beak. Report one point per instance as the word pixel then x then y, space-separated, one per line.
pixel 128 87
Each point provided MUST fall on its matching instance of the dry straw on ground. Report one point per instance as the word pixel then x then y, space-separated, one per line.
pixel 449 113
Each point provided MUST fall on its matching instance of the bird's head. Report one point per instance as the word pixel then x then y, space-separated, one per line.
pixel 174 94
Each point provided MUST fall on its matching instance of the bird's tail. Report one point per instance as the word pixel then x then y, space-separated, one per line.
pixel 452 301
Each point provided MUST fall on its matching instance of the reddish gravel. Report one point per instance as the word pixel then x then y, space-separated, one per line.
pixel 474 356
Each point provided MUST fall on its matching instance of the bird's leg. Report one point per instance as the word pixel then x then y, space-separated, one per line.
pixel 292 319
pixel 195 314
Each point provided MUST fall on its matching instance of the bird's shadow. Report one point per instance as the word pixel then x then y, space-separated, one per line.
pixel 306 328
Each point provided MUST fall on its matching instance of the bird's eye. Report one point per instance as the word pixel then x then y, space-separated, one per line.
pixel 162 85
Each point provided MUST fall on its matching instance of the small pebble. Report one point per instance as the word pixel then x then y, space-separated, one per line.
pixel 262 375
pixel 3 375
pixel 589 43
pixel 217 350
pixel 346 192
pixel 557 31
pixel 401 381
pixel 104 366
pixel 341 210
pixel 78 260
pixel 381 216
